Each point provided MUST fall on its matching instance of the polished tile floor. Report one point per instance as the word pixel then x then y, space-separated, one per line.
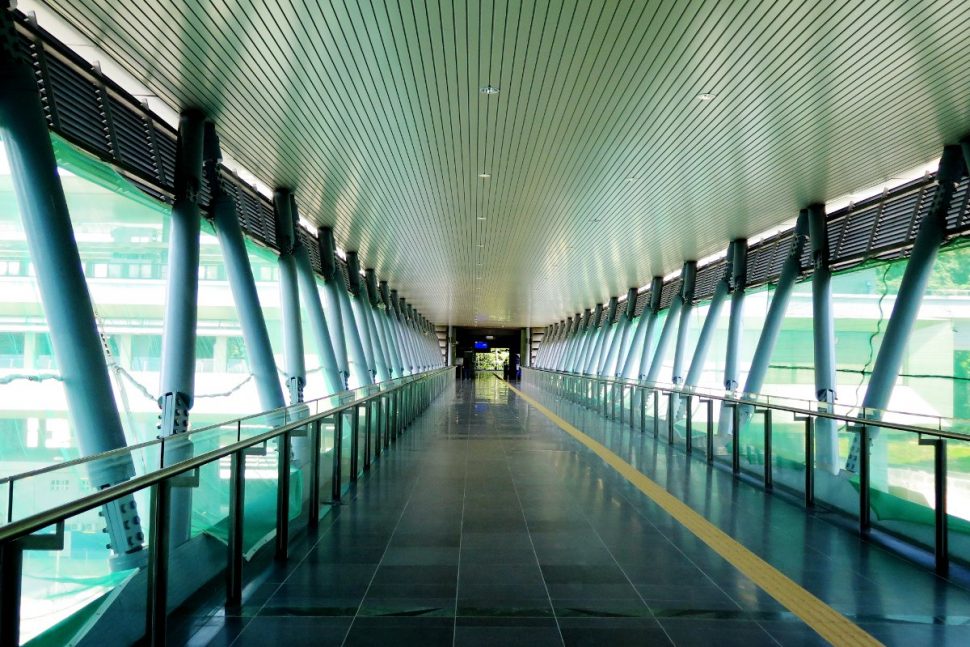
pixel 487 525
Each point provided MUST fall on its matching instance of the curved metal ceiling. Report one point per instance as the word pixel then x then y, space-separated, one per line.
pixel 605 166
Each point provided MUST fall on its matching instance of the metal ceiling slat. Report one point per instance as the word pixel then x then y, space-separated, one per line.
pixel 384 138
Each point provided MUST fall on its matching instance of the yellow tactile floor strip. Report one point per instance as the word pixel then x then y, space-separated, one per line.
pixel 823 619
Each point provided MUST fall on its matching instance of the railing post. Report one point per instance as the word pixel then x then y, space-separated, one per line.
pixel 11 576
pixel 314 501
pixel 769 480
pixel 864 514
pixel 368 419
pixel 656 413
pixel 337 455
pixel 710 431
pixel 283 498
pixel 942 529
pixel 809 461
pixel 736 445
pixel 643 409
pixel 234 545
pixel 689 440
pixel 671 399
pixel 354 442
pixel 158 551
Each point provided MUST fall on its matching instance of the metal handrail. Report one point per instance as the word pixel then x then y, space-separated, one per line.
pixel 120 451
pixel 559 380
pixel 23 527
pixel 754 402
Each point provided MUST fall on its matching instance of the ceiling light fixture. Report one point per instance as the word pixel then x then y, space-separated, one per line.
pixel 705 97
pixel 488 89
pixel 481 217
pixel 484 176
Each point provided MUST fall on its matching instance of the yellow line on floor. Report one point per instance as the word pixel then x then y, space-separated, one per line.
pixel 823 619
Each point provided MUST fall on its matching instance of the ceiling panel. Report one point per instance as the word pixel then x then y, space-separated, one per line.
pixel 605 166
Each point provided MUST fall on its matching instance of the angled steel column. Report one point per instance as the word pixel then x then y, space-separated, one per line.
pixel 360 313
pixel 181 310
pixel 390 326
pixel 241 282
pixel 710 323
pixel 556 334
pixel 580 326
pixel 409 365
pixel 290 295
pixel 919 268
pixel 687 298
pixel 608 333
pixel 739 279
pixel 451 346
pixel 332 378
pixel 779 306
pixel 637 363
pixel 547 338
pixel 382 343
pixel 75 339
pixel 666 333
pixel 823 335
pixel 550 342
pixel 408 335
pixel 560 343
pixel 331 301
pixel 526 358
pixel 588 340
pixel 620 336
pixel 732 370
pixel 360 369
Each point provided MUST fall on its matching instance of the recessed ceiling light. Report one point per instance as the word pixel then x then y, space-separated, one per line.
pixel 596 219
pixel 481 217
pixel 630 179
pixel 488 89
pixel 484 176
pixel 705 97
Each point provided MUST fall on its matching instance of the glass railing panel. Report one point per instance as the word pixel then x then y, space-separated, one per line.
pixel 75 581
pixel 346 448
pixel 327 440
pixel 262 473
pixel 837 486
pixel 901 493
pixel 751 442
pixel 210 497
pixel 37 492
pixel 788 450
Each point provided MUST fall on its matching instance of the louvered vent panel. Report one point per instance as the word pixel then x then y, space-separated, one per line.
pixel 707 279
pixel 166 154
pixel 133 139
pixel 33 52
pixel 78 107
pixel 671 288
pixel 342 270
pixel 892 230
pixel 958 218
pixel 759 262
pixel 779 254
pixel 643 300
pixel 855 237
pixel 312 249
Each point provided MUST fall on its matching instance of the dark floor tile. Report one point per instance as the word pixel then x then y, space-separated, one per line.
pixel 727 633
pixel 507 636
pixel 401 632
pixel 421 556
pixel 618 632
pixel 293 631
pixel 377 606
